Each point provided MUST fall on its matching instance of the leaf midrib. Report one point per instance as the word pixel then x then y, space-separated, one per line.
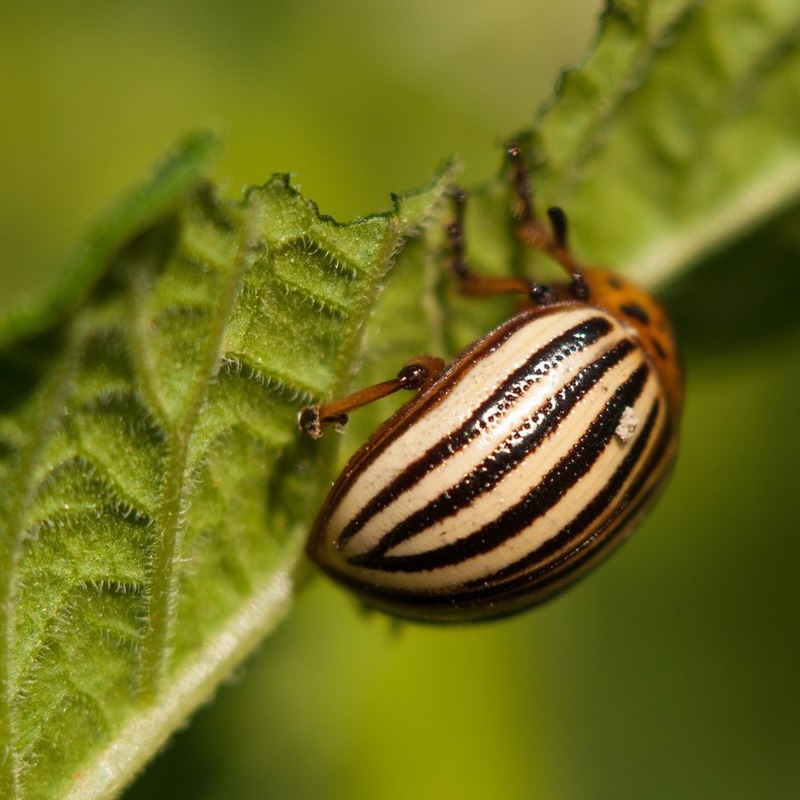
pixel 169 518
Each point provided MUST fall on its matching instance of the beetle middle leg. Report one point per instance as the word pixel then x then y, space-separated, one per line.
pixel 414 376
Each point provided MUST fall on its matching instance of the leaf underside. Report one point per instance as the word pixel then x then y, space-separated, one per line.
pixel 153 493
pixel 151 480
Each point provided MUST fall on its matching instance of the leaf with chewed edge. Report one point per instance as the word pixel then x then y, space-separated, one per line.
pixel 153 491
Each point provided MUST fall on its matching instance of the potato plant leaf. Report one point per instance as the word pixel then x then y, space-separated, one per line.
pixel 151 481
pixel 679 133
pixel 153 493
pixel 675 144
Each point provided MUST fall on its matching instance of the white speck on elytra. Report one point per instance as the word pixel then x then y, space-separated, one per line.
pixel 628 423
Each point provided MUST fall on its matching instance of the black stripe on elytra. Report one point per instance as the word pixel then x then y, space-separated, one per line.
pixel 545 359
pixel 505 457
pixel 546 494
pixel 479 592
pixel 542 583
pixel 584 519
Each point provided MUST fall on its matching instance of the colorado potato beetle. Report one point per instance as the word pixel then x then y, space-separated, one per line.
pixel 522 464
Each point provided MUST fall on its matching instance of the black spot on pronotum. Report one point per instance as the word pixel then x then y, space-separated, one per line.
pixel 635 311
pixel 658 347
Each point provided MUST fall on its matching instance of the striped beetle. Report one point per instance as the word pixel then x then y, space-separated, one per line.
pixel 521 465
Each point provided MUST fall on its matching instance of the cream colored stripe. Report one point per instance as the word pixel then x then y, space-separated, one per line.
pixel 475 385
pixel 543 529
pixel 529 473
pixel 465 461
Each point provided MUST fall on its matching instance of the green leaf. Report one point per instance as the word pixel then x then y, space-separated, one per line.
pixel 674 145
pixel 153 494
pixel 152 489
pixel 679 133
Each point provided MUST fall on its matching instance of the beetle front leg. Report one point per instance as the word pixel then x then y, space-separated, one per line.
pixel 414 376
pixel 471 284
pixel 552 241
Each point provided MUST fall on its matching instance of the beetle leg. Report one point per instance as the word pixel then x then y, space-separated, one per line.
pixel 414 376
pixel 474 285
pixel 552 240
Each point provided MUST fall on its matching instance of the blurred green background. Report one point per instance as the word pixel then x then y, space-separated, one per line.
pixel 671 672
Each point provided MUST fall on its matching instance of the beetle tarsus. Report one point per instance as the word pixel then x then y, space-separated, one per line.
pixel 312 421
pixel 541 295
pixel 309 422
pixel 455 236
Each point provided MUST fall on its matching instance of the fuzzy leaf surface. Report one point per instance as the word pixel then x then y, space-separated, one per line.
pixel 152 489
pixel 679 134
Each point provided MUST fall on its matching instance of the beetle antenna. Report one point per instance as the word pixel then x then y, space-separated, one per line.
pixel 455 235
pixel 520 180
pixel 470 283
pixel 558 224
